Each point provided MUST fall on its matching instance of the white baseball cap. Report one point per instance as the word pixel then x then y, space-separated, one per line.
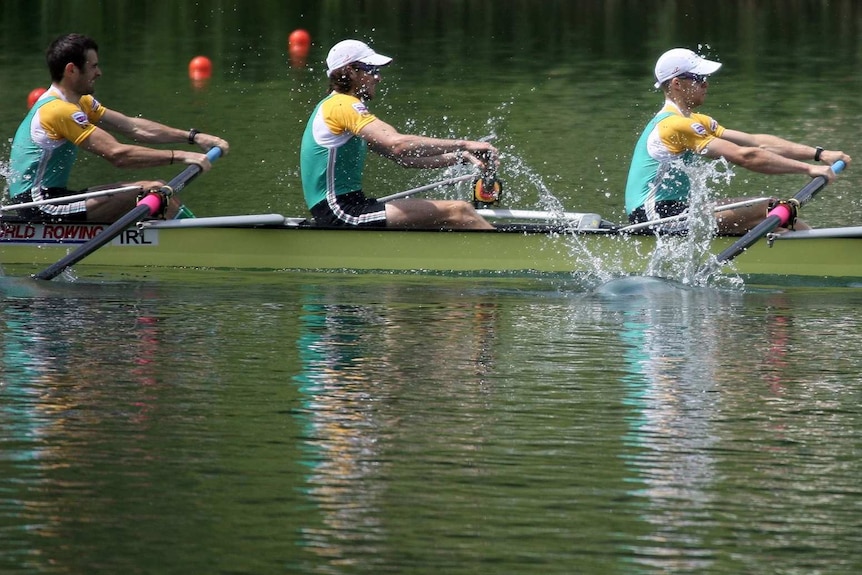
pixel 349 51
pixel 682 61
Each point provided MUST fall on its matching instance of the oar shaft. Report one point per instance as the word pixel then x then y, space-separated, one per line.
pixel 447 182
pixel 805 195
pixel 140 211
pixel 72 198
pixel 749 239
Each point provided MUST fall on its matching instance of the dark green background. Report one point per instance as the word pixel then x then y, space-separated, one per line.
pixel 564 86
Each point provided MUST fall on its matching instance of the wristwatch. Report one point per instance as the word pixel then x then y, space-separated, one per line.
pixel 817 151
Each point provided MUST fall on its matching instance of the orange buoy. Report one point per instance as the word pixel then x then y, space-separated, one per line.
pixel 34 95
pixel 200 68
pixel 299 42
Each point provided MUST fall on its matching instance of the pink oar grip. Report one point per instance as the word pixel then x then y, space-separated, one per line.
pixel 783 212
pixel 152 201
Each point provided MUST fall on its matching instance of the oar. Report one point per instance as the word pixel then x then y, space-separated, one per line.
pixel 147 206
pixel 72 198
pixel 778 216
pixel 447 182
pixel 679 217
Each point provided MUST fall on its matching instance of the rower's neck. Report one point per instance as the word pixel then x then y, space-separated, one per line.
pixel 67 93
pixel 680 106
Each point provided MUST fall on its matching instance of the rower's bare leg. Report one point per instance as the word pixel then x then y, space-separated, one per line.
pixel 434 214
pixel 741 220
pixel 111 208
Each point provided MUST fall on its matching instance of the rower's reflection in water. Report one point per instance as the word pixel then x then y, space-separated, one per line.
pixel 685 394
pixel 65 379
pixel 671 355
pixel 363 365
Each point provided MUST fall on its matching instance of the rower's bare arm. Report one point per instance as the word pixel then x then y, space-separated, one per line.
pixel 120 155
pixel 785 148
pixel 150 132
pixel 406 148
pixel 763 161
pixel 141 129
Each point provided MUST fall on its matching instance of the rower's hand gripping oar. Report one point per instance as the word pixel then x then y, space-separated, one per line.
pixel 149 205
pixel 781 214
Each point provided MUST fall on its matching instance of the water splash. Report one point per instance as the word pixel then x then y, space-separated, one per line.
pixel 5 199
pixel 5 171
pixel 681 257
pixel 676 258
pixel 635 286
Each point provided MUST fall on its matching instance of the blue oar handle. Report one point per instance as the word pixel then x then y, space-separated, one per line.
pixel 215 152
pixel 815 185
pixel 191 172
pixel 838 166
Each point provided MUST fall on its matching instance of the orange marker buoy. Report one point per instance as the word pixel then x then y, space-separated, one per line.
pixel 298 44
pixel 200 68
pixel 299 41
pixel 34 95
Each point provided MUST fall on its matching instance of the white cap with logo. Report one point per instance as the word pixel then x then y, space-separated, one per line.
pixel 349 51
pixel 682 61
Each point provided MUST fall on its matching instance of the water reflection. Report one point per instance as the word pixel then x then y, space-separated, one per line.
pixel 361 362
pixel 55 398
pixel 716 385
pixel 341 433
pixel 346 423
pixel 671 391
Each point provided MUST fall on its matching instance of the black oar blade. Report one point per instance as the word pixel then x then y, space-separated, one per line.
pixel 142 210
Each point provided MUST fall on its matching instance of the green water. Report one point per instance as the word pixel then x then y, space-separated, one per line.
pixel 216 422
pixel 366 424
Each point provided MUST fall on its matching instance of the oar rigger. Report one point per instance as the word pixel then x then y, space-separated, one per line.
pixel 487 190
pixel 163 194
pixel 790 208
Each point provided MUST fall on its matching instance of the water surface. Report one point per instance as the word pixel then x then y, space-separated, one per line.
pixel 340 423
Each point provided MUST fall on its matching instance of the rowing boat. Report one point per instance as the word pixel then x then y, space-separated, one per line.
pixel 521 243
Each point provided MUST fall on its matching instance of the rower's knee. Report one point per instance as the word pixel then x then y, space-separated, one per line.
pixel 465 215
pixel 462 210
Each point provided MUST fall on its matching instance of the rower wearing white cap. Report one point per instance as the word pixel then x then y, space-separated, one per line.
pixel 341 128
pixel 657 187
